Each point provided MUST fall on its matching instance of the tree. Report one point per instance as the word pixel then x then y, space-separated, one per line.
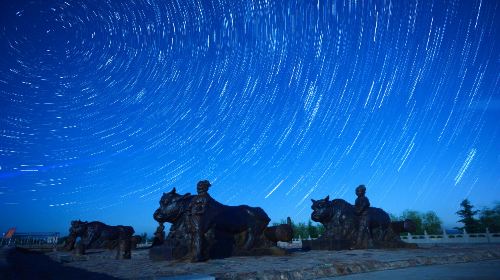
pixel 312 230
pixel 321 229
pixel 315 230
pixel 300 230
pixel 431 223
pixel 144 237
pixel 303 230
pixel 393 217
pixel 471 224
pixel 490 218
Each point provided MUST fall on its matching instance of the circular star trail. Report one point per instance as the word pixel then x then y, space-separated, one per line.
pixel 107 104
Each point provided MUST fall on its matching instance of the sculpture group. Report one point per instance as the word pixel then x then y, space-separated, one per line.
pixel 203 228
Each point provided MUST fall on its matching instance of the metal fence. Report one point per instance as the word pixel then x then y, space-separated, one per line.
pixel 34 240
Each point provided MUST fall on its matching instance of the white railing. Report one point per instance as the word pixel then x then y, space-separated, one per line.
pixel 295 244
pixel 464 237
pixel 144 245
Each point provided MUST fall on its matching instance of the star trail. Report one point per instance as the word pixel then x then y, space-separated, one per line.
pixel 105 105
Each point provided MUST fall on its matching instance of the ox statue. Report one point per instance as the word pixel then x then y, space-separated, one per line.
pixel 95 235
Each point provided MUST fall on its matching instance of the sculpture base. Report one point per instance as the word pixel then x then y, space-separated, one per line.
pixel 345 244
pixel 326 244
pixel 394 244
pixel 167 252
pixel 271 251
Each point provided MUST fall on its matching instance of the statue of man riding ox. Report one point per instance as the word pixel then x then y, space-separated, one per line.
pixel 341 227
pixel 203 228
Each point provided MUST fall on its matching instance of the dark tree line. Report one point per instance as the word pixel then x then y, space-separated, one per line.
pixel 305 230
pixel 425 221
pixel 475 221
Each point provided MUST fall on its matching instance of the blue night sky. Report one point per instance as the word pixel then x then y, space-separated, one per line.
pixel 104 105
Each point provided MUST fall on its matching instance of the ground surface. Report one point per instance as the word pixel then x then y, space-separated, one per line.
pixel 297 265
pixel 482 270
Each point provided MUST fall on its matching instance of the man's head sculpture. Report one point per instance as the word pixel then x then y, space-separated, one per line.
pixel 172 206
pixel 360 190
pixel 203 186
pixel 322 209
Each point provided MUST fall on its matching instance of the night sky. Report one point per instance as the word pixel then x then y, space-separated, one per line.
pixel 105 105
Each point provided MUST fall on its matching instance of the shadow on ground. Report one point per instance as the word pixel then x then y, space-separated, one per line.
pixel 20 263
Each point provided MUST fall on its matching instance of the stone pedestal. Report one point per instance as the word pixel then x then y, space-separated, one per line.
pixel 326 244
pixel 167 252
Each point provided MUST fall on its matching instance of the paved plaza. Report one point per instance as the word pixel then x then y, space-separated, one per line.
pixel 296 265
pixel 482 270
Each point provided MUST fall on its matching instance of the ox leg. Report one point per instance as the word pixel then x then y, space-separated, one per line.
pixel 123 250
pixel 197 248
pixel 250 240
pixel 198 238
pixel 198 245
pixel 80 247
pixel 85 243
pixel 254 232
pixel 70 243
pixel 127 247
pixel 119 250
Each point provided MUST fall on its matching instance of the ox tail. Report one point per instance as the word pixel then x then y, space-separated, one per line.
pixel 404 226
pixel 282 232
pixel 409 226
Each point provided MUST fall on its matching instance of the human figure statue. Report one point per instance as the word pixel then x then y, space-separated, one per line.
pixel 361 205
pixel 198 208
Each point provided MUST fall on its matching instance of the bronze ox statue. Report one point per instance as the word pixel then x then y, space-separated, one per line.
pixel 96 235
pixel 203 228
pixel 343 231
